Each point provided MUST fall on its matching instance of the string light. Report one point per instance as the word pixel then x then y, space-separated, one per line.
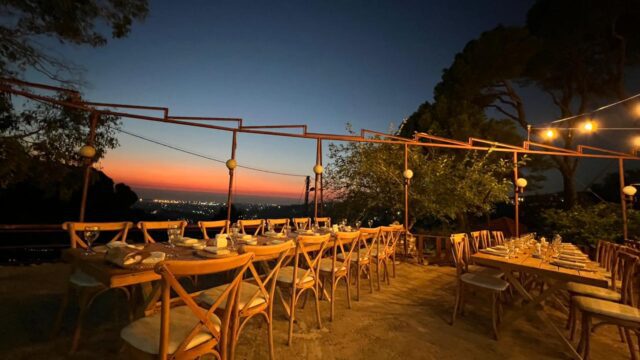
pixel 589 126
pixel 550 134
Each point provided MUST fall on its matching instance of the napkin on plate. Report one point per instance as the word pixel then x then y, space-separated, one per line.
pixel 580 259
pixel 569 264
pixel 216 250
pixel 123 256
pixel 495 252
pixel 154 257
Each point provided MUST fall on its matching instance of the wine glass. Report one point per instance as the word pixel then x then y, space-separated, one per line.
pixel 173 234
pixel 370 222
pixel 358 224
pixel 91 233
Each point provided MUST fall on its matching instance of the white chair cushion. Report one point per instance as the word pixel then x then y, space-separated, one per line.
pixel 593 291
pixel 483 270
pixel 483 281
pixel 247 290
pixel 607 308
pixel 144 334
pixel 286 275
pixel 326 265
pixel 80 278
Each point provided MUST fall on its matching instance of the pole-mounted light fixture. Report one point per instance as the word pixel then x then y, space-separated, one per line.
pixel 629 190
pixel 318 169
pixel 87 151
pixel 231 164
pixel 521 183
pixel 407 174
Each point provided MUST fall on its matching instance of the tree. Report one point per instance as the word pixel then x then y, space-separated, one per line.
pixel 366 178
pixel 576 51
pixel 79 22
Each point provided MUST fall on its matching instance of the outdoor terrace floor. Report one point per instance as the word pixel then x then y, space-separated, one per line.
pixel 407 320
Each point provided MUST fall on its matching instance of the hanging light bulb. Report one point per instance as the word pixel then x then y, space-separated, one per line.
pixel 549 134
pixel 589 126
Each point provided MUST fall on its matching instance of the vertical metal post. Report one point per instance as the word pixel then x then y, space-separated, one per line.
pixel 93 123
pixel 516 193
pixel 315 192
pixel 234 143
pixel 321 183
pixel 406 200
pixel 623 200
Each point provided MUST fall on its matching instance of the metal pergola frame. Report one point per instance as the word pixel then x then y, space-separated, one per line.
pixel 97 109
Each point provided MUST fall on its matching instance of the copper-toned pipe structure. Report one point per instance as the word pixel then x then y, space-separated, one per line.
pixel 433 141
pixel 623 200
pixel 318 174
pixel 406 200
pixel 93 123
pixel 234 144
pixel 516 193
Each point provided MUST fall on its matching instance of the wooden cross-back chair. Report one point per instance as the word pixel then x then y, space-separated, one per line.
pixel 324 222
pixel 336 267
pixel 255 295
pixel 183 329
pixel 380 254
pixel 303 276
pixel 218 226
pixel 361 259
pixel 86 286
pixel 251 227
pixel 398 231
pixel 156 226
pixel 302 223
pixel 278 225
pixel 623 313
pixel 498 237
pixel 480 240
pixel 494 285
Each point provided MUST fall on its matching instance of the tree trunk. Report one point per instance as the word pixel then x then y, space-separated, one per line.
pixel 569 189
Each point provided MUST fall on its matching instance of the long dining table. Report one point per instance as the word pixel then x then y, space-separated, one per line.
pixel 145 278
pixel 554 277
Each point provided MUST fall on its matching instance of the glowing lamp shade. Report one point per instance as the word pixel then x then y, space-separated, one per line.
pixel 231 164
pixel 318 169
pixel 408 174
pixel 521 182
pixel 549 134
pixel 636 141
pixel 87 151
pixel 589 126
pixel 629 190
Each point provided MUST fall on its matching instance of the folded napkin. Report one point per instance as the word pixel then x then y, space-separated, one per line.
pixel 499 248
pixel 123 256
pixel 189 241
pixel 580 259
pixel 246 237
pixel 569 264
pixel 221 240
pixel 154 257
pixel 216 250
pixel 576 253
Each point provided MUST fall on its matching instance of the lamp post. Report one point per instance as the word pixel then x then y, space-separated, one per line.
pixel 317 169
pixel 88 152
pixel 407 174
pixel 231 165
pixel 518 188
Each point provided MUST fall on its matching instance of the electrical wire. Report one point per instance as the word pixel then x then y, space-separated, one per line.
pixel 201 155
pixel 593 111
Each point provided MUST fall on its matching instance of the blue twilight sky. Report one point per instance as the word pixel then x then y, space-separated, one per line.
pixel 368 63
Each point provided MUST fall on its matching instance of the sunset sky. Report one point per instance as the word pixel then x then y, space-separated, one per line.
pixel 325 64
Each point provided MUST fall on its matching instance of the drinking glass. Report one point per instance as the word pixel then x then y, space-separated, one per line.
pixel 173 235
pixel 370 222
pixel 358 224
pixel 234 230
pixel 91 233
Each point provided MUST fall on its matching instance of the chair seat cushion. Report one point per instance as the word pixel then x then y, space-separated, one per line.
pixel 247 290
pixel 593 291
pixel 286 275
pixel 607 308
pixel 483 281
pixel 80 278
pixel 144 334
pixel 326 265
pixel 486 271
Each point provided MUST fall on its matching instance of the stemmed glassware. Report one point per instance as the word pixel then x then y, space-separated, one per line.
pixel 358 224
pixel 370 223
pixel 91 233
pixel 173 235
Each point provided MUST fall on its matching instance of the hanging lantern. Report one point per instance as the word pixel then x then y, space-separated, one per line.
pixel 629 190
pixel 521 183
pixel 408 174
pixel 231 164
pixel 318 169
pixel 87 151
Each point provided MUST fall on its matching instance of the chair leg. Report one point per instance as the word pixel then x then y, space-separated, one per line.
pixel 456 303
pixel 333 298
pixel 632 349
pixel 573 320
pixel 348 292
pixel 494 314
pixel 84 305
pixel 318 308
pixel 583 346
pixel 358 273
pixel 370 279
pixel 272 354
pixel 63 308
pixel 378 273
pixel 571 313
pixel 292 313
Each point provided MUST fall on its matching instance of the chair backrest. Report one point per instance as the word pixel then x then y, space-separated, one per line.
pixel 220 226
pixel 323 221
pixel 385 240
pixel 350 239
pixel 368 241
pixel 460 252
pixel 172 270
pixel 253 227
pixel 498 237
pixel 627 264
pixel 603 253
pixel 479 240
pixel 145 226
pixel 120 228
pixel 302 223
pixel 267 284
pixel 306 246
pixel 278 225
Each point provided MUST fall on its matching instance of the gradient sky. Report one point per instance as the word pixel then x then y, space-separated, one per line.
pixel 367 63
